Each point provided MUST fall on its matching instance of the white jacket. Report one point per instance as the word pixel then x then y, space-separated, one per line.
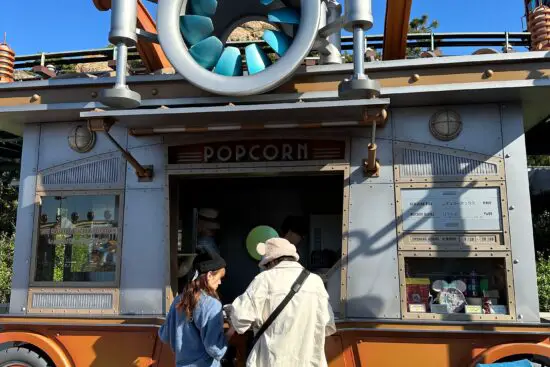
pixel 296 338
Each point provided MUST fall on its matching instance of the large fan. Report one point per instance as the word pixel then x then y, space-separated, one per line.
pixel 193 34
pixel 208 50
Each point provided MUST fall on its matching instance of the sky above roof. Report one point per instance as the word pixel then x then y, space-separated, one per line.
pixel 69 25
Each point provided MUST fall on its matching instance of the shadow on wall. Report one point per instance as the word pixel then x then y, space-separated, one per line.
pixel 368 244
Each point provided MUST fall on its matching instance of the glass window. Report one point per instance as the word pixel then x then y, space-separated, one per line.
pixel 78 238
pixel 454 285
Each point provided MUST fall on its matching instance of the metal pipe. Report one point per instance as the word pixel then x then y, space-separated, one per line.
pixel 123 22
pixel 507 38
pixel 184 129
pixel 359 52
pixel 373 137
pixel 140 170
pixel 121 64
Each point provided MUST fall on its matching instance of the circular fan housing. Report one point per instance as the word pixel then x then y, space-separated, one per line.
pixel 193 35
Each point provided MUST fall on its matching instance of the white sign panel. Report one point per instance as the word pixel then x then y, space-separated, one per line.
pixel 451 209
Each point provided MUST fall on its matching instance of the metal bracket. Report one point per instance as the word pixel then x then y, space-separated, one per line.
pixel 144 173
pixel 372 169
pixel 371 165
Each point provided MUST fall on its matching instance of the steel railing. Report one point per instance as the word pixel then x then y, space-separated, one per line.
pixel 429 41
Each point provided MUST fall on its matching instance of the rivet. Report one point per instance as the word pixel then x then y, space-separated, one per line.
pixel 94 94
pixel 488 73
pixel 35 98
pixel 516 261
pixel 507 155
pixel 415 78
pixel 154 91
pixel 520 316
pixel 512 207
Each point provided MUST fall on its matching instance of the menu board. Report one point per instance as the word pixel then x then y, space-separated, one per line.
pixel 451 209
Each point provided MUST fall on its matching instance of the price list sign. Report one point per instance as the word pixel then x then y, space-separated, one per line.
pixel 451 209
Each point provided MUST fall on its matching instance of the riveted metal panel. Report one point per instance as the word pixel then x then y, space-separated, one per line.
pixel 151 155
pixel 104 171
pixel 359 152
pixel 480 128
pixel 142 141
pixel 77 301
pixel 373 290
pixel 478 239
pixel 521 230
pixel 55 150
pixel 424 163
pixel 25 219
pixel 143 252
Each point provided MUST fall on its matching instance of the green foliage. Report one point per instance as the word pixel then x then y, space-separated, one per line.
pixel 540 213
pixel 538 160
pixel 543 280
pixel 348 58
pixel 8 202
pixel 420 25
pixel 62 69
pixel 6 263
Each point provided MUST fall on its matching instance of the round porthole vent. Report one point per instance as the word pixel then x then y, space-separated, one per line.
pixel 445 125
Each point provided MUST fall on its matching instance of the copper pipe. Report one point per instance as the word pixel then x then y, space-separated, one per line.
pixel 140 170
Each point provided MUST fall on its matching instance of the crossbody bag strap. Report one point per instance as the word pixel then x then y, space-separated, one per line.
pixel 293 290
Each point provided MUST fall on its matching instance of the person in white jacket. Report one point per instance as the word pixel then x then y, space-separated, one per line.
pixel 297 336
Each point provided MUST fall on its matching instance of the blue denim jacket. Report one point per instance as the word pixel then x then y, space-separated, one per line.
pixel 199 342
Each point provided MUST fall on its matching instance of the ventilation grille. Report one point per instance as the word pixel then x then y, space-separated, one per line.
pixel 81 301
pixel 105 171
pixel 424 164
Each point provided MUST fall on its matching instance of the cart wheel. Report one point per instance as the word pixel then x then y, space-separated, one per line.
pixel 21 357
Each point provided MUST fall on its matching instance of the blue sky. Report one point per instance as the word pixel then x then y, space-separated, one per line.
pixel 67 25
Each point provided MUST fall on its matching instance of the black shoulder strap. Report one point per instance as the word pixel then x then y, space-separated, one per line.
pixel 293 290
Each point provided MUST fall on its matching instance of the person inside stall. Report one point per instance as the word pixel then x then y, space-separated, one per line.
pixel 294 230
pixel 207 227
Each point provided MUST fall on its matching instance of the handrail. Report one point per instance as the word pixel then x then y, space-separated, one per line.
pixel 425 40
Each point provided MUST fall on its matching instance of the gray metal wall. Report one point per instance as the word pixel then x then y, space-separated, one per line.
pixel 492 130
pixel 143 269
pixel 372 282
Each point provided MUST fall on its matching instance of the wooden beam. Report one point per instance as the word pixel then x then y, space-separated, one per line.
pixel 151 53
pixel 396 27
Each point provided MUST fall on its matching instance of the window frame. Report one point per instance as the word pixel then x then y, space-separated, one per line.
pixel 36 237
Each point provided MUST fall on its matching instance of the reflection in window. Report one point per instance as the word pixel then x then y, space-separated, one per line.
pixel 78 239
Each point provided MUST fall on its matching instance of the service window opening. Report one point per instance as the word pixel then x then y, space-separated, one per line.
pixel 243 203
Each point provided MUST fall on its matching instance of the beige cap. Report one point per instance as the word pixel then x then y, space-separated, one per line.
pixel 275 248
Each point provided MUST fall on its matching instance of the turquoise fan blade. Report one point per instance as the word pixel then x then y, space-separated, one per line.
pixel 256 59
pixel 230 63
pixel 207 52
pixel 205 8
pixel 284 15
pixel 278 41
pixel 196 28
